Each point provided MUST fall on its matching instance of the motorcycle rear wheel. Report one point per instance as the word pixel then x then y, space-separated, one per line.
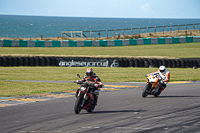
pixel 157 94
pixel 77 106
pixel 146 90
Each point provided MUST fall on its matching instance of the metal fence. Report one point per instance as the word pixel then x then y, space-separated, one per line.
pixel 128 31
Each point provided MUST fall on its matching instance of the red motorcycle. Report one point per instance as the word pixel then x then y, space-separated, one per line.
pixel 85 97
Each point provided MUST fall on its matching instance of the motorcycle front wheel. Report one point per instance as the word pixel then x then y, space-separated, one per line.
pixel 91 109
pixel 146 90
pixel 77 106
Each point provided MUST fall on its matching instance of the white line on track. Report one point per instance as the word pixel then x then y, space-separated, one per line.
pixel 138 128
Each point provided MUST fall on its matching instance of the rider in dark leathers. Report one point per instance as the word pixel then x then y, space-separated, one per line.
pixel 95 83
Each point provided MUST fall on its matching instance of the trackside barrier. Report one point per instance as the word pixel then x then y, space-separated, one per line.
pixel 98 43
pixel 98 62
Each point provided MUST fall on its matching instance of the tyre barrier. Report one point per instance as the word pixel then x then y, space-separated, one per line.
pixel 10 61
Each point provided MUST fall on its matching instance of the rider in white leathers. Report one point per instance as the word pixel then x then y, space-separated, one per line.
pixel 165 76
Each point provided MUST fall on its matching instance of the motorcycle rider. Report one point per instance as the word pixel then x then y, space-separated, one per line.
pixel 165 77
pixel 95 82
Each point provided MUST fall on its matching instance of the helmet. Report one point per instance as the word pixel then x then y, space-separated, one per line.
pixel 162 69
pixel 89 72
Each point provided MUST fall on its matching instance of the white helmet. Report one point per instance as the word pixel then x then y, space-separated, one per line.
pixel 162 69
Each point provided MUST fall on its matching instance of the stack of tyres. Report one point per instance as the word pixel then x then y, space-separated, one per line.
pixel 35 61
pixel 198 63
pixel 178 63
pixel 137 63
pixel 131 62
pixel 15 63
pixel 141 62
pixel 155 62
pixel 4 61
pixel 182 63
pixel 123 62
pixel 146 63
pixel 46 61
pixel 30 61
pixel 152 63
pixel 126 63
pixel 52 61
pixel 174 65
pixel 41 61
pixel 164 62
pixel 159 62
pixel 25 61
pixel 169 62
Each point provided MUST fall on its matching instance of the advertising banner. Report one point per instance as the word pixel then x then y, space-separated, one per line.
pixel 88 62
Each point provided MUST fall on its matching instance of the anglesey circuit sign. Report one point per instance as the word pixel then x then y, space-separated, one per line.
pixel 89 63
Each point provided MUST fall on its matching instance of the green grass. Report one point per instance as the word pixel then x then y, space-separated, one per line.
pixel 106 74
pixel 8 88
pixel 184 50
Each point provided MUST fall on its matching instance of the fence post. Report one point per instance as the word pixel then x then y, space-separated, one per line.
pixel 193 26
pixel 155 29
pixel 90 34
pixel 163 30
pixel 131 31
pixel 99 33
pixel 72 34
pixel 106 33
pixel 81 34
pixel 138 31
pixel 178 28
pixel 186 27
pixel 170 28
pixel 115 33
pixel 123 32
pixel 61 34
pixel 147 30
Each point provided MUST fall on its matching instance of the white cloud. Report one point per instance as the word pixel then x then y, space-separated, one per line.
pixel 145 8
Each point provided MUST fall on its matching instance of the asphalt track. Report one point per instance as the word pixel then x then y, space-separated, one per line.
pixel 177 109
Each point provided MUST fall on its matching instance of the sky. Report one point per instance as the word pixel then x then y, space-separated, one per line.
pixel 103 8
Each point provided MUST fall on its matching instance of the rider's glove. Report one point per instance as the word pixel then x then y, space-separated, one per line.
pixel 96 85
pixel 161 81
pixel 78 82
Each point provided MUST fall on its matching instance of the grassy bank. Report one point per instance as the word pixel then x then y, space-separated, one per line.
pixel 186 50
pixel 8 88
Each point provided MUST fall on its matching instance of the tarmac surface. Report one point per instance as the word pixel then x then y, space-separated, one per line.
pixel 120 108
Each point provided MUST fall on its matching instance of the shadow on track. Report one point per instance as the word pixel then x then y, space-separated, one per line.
pixel 118 111
pixel 173 96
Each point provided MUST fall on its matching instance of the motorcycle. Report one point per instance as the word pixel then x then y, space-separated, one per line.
pixel 85 99
pixel 153 85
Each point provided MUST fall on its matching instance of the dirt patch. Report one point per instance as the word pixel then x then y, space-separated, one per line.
pixel 144 35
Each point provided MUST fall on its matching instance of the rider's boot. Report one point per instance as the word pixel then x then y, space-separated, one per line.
pixel 162 89
pixel 96 93
pixel 95 100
